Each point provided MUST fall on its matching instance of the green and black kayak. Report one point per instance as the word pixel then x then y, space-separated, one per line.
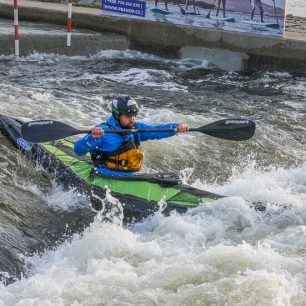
pixel 139 194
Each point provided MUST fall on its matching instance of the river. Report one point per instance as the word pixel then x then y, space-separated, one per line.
pixel 55 250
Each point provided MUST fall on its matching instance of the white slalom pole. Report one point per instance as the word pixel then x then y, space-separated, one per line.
pixel 16 28
pixel 69 23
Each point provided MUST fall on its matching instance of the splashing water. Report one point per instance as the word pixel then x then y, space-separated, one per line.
pixel 220 253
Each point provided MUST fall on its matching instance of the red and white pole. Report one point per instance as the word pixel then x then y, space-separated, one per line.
pixel 69 23
pixel 16 28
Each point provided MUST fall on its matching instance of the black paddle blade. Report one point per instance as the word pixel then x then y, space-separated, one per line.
pixel 47 130
pixel 230 129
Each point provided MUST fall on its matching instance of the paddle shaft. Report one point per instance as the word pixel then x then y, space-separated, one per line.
pixel 124 131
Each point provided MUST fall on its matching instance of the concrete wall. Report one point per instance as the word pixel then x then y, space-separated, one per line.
pixel 82 44
pixel 168 40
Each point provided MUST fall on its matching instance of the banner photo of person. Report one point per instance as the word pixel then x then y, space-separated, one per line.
pixel 263 17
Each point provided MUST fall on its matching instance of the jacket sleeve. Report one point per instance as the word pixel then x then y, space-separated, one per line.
pixel 87 144
pixel 155 135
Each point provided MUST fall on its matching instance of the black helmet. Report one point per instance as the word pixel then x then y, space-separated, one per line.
pixel 124 105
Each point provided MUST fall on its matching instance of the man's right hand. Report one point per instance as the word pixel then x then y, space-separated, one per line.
pixel 97 132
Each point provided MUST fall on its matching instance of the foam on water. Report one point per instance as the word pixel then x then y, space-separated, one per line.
pixel 103 54
pixel 56 95
pixel 274 185
pixel 145 77
pixel 221 252
pixel 57 198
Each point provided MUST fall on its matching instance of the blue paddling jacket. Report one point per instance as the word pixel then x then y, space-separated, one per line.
pixel 111 142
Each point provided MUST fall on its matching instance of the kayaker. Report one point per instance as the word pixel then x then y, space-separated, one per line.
pixel 120 154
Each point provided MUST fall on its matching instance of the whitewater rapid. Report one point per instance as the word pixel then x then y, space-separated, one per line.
pixel 61 252
pixel 218 253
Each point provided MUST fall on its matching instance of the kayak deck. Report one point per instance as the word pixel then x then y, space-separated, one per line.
pixel 144 186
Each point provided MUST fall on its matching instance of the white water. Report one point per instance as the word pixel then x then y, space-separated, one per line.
pixel 224 253
pixel 221 253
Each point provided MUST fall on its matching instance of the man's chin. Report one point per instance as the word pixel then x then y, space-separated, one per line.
pixel 128 127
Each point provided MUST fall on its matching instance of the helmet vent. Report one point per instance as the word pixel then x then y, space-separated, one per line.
pixel 131 102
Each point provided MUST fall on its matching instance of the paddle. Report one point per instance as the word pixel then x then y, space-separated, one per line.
pixel 49 130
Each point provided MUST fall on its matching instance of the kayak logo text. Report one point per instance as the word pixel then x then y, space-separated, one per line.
pixel 42 122
pixel 236 121
pixel 23 144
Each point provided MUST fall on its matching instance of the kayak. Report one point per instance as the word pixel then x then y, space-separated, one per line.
pixel 139 194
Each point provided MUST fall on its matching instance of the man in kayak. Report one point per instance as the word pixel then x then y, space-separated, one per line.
pixel 120 154
pixel 257 3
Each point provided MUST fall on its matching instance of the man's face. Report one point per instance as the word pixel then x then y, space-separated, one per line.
pixel 127 121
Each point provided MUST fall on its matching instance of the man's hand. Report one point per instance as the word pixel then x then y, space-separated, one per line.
pixel 182 128
pixel 97 132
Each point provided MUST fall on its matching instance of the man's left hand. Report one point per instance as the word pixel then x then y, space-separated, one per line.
pixel 182 128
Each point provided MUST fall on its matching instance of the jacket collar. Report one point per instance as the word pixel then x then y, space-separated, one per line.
pixel 113 122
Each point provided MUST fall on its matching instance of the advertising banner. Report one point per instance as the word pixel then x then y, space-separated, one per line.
pixel 132 8
pixel 264 17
